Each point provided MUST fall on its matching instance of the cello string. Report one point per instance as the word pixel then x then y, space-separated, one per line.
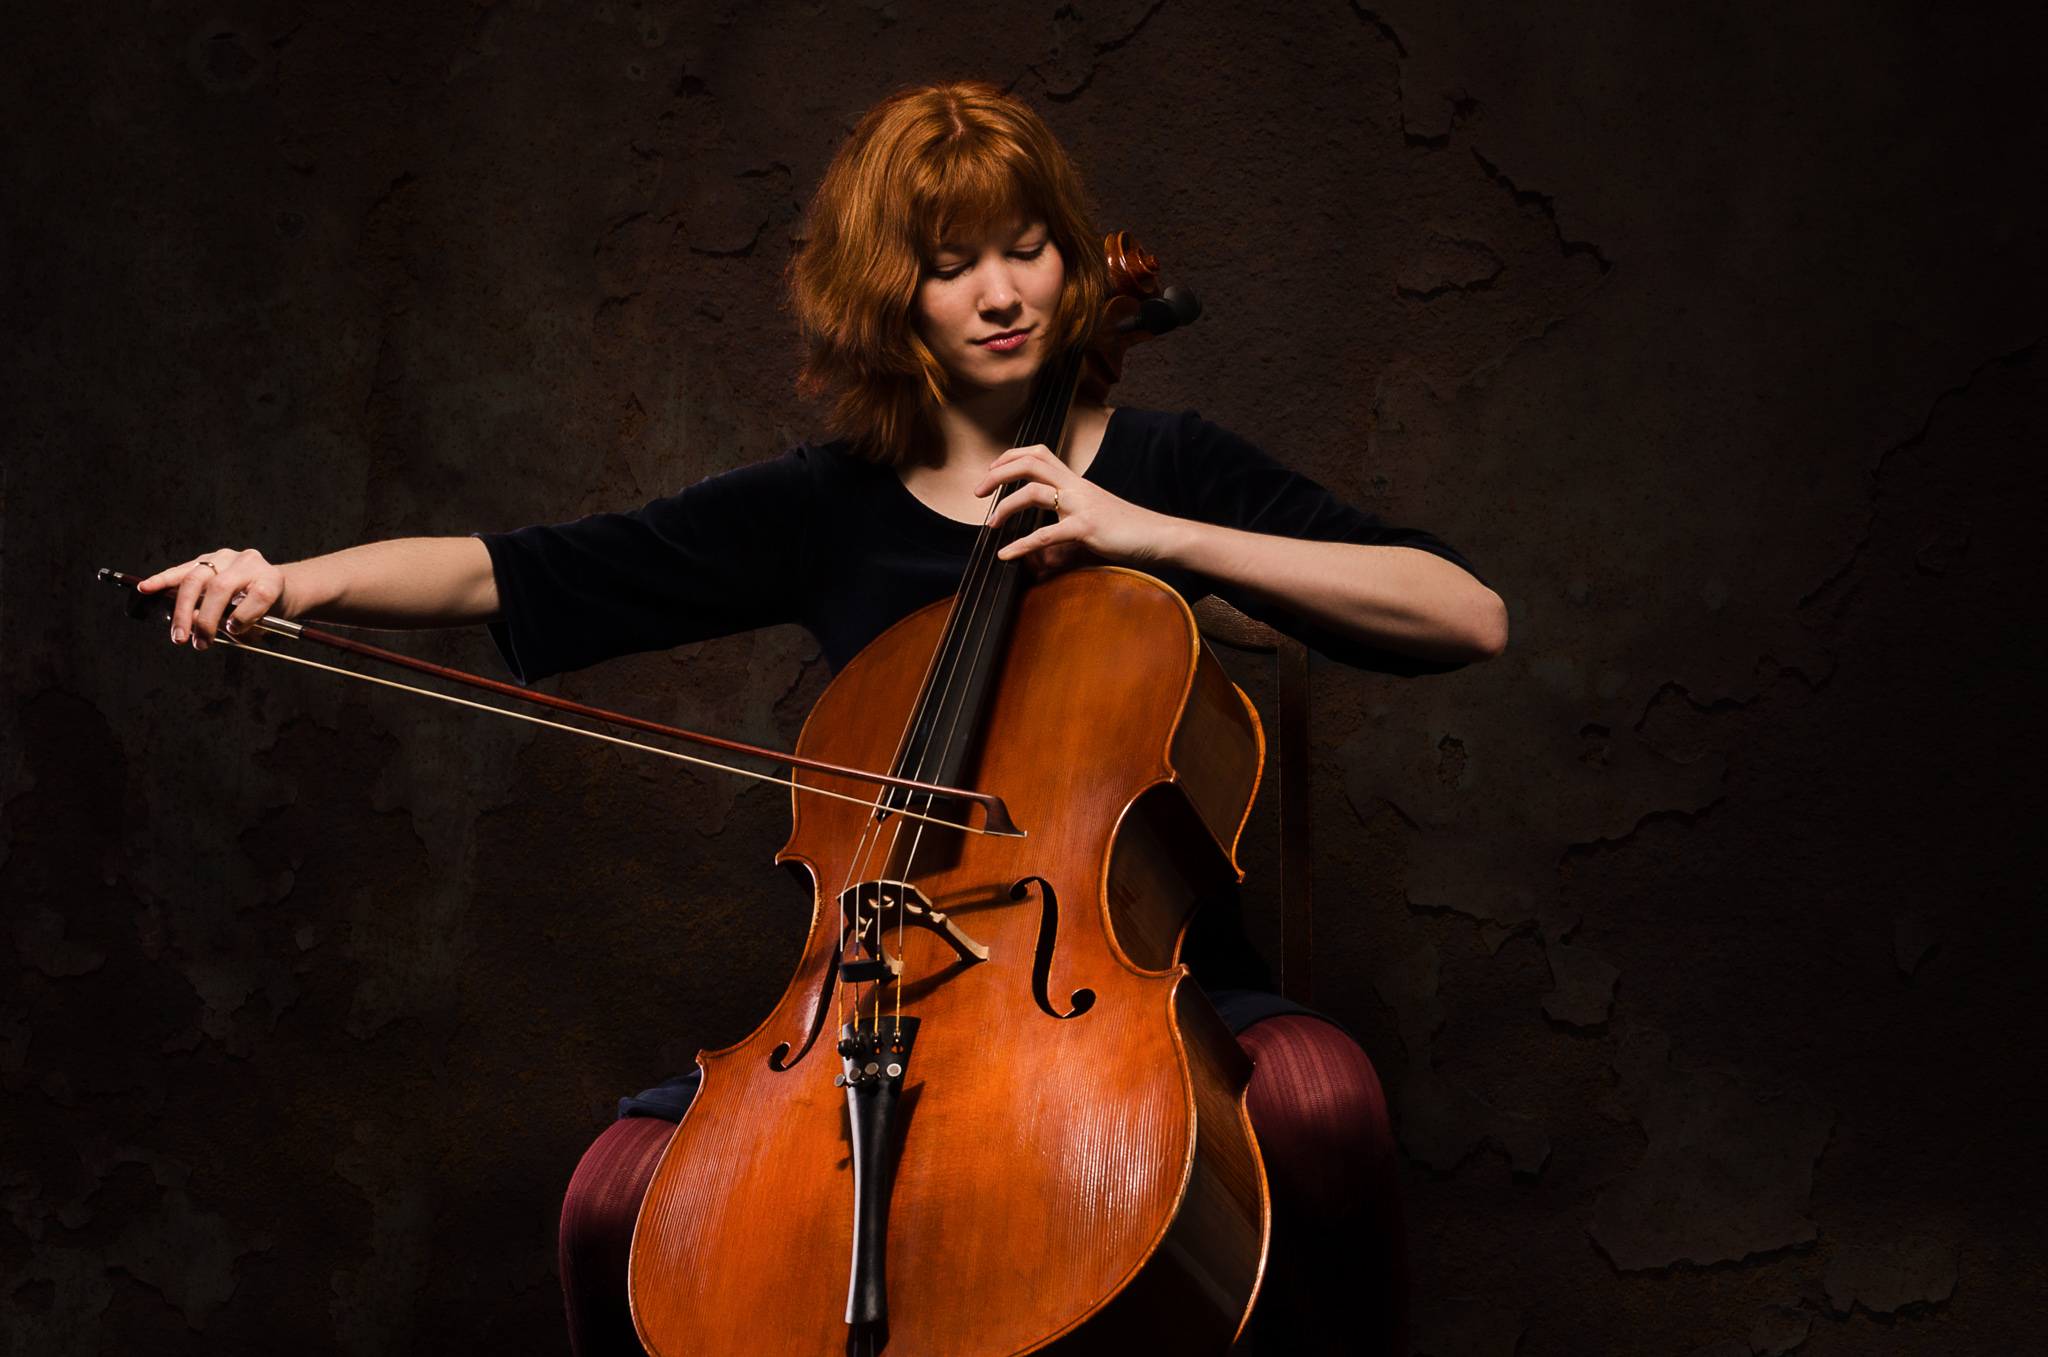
pixel 982 563
pixel 936 686
pixel 970 594
pixel 870 836
pixel 973 615
pixel 1052 398
pixel 1048 396
pixel 846 930
pixel 247 648
pixel 933 689
pixel 1052 395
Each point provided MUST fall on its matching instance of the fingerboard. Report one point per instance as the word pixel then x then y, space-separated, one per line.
pixel 946 723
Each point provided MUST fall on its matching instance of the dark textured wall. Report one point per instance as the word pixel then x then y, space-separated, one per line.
pixel 1697 939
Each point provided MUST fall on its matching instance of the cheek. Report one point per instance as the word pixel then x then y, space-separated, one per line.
pixel 1049 281
pixel 934 314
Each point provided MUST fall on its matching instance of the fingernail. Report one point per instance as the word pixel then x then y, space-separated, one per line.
pixel 177 636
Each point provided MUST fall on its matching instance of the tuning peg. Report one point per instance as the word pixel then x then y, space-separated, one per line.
pixel 1176 307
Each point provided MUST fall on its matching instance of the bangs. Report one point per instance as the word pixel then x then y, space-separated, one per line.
pixel 970 190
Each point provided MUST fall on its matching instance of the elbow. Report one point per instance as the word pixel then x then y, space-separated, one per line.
pixel 1489 629
pixel 1470 635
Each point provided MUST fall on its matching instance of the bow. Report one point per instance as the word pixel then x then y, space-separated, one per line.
pixel 995 815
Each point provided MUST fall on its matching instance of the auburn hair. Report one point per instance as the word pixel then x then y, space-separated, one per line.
pixel 943 161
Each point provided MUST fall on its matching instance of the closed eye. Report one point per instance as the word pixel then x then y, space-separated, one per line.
pixel 948 272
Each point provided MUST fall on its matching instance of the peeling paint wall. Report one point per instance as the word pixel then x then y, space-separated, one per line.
pixel 1696 939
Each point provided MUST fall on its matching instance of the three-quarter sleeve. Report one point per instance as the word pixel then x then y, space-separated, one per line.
pixel 725 555
pixel 1213 476
pixel 1224 479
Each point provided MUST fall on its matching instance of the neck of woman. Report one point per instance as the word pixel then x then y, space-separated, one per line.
pixel 978 425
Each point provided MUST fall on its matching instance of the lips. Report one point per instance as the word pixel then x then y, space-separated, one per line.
pixel 1005 342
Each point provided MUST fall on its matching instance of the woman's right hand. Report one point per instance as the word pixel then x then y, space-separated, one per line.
pixel 208 585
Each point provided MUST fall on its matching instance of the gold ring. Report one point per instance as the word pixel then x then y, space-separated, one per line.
pixel 1055 500
pixel 211 566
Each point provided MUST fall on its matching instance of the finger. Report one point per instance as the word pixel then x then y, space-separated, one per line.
pixel 253 606
pixel 189 590
pixel 1033 463
pixel 234 571
pixel 1037 495
pixel 164 579
pixel 228 576
pixel 206 616
pixel 1067 530
pixel 1000 474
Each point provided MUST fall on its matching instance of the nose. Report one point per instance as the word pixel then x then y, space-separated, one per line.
pixel 999 290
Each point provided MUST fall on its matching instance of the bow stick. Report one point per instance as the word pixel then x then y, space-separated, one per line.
pixel 995 815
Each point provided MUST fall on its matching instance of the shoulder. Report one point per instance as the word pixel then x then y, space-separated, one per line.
pixel 805 466
pixel 804 476
pixel 1171 436
pixel 830 463
pixel 1163 429
pixel 1169 460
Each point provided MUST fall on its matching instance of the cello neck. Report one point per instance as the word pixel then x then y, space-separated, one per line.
pixel 949 710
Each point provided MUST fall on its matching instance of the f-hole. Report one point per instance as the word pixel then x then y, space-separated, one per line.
pixel 779 1059
pixel 1048 937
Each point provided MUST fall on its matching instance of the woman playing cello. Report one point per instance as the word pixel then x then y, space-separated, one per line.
pixel 949 257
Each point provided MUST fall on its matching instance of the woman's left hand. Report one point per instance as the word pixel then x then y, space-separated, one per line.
pixel 1092 524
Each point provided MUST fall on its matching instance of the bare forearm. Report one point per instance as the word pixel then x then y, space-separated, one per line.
pixel 1407 600
pixel 410 582
pixel 406 582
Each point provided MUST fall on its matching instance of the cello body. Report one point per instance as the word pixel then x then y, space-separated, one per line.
pixel 1073 1168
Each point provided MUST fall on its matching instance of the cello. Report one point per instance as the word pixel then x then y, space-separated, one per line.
pixel 991 1095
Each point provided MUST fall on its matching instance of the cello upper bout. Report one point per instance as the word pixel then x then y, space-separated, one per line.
pixel 1177 841
pixel 1219 752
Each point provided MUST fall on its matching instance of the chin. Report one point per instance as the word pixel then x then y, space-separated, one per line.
pixel 1006 374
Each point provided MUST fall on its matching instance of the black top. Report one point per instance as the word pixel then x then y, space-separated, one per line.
pixel 840 546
